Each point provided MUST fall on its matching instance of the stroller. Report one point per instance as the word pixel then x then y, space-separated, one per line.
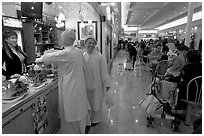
pixel 157 98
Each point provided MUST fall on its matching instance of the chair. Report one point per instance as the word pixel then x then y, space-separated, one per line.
pixel 196 103
pixel 161 69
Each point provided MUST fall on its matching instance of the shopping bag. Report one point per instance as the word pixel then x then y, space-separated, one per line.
pixel 145 102
pixel 152 106
pixel 137 68
pixel 109 99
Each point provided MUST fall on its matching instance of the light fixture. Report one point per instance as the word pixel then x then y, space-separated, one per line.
pixel 89 22
pixel 196 16
pixel 147 31
pixel 82 24
pixel 104 4
pixel 61 17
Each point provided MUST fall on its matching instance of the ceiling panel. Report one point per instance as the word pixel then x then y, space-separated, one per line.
pixel 152 14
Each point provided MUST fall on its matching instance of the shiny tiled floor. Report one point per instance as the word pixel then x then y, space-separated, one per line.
pixel 126 116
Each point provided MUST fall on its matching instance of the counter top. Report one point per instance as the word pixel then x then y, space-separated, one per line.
pixel 7 108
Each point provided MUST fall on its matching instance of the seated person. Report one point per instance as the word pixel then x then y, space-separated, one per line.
pixel 192 69
pixel 154 56
pixel 165 50
pixel 178 62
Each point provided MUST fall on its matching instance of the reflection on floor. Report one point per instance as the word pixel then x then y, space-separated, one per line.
pixel 126 116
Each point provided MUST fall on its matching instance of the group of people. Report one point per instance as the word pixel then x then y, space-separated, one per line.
pixel 83 81
pixel 83 78
pixel 184 63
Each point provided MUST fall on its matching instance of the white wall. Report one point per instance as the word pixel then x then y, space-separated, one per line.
pixel 71 12
pixel 9 9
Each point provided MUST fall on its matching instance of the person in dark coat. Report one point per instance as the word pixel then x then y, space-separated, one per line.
pixel 192 69
pixel 12 55
pixel 133 53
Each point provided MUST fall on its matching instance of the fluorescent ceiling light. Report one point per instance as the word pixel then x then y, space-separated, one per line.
pixel 104 4
pixel 147 31
pixel 196 16
pixel 130 28
pixel 124 13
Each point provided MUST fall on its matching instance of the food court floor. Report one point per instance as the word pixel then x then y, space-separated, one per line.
pixel 126 115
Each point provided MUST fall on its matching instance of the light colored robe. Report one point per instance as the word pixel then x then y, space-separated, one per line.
pixel 74 81
pixel 99 71
pixel 177 65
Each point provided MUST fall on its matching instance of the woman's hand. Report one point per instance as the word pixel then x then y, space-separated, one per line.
pixel 15 76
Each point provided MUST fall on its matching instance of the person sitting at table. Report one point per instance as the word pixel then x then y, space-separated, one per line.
pixel 193 68
pixel 165 50
pixel 178 62
pixel 12 55
pixel 154 56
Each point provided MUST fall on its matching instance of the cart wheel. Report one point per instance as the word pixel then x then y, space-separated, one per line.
pixel 149 123
pixel 163 116
pixel 175 126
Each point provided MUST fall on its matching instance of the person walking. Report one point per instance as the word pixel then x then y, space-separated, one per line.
pixel 99 71
pixel 74 82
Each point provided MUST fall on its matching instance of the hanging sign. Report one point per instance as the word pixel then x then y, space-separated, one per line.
pixel 108 11
pixel 12 22
pixel 113 20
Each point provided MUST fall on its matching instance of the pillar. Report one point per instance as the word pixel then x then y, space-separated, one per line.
pixel 189 24
pixel 198 37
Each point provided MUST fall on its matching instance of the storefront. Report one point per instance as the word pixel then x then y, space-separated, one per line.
pixel 33 112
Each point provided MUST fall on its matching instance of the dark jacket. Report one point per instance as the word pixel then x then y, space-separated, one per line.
pixel 133 52
pixel 12 63
pixel 188 72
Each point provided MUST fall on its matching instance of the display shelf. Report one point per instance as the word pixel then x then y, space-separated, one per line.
pixel 42 38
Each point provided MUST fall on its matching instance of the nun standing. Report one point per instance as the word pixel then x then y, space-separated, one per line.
pixel 99 71
pixel 74 81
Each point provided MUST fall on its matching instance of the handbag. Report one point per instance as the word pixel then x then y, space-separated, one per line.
pixel 149 103
pixel 109 100
pixel 152 106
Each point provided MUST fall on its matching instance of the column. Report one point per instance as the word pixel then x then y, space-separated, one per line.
pixel 198 36
pixel 189 24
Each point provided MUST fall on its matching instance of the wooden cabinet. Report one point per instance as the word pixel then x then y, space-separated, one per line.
pixel 29 45
pixel 21 123
pixel 21 120
pixel 37 39
pixel 42 38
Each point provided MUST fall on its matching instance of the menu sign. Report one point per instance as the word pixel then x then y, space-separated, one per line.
pixel 12 22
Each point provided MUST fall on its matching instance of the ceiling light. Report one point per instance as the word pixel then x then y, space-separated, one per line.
pixel 184 7
pixel 147 31
pixel 196 16
pixel 112 3
pixel 104 4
